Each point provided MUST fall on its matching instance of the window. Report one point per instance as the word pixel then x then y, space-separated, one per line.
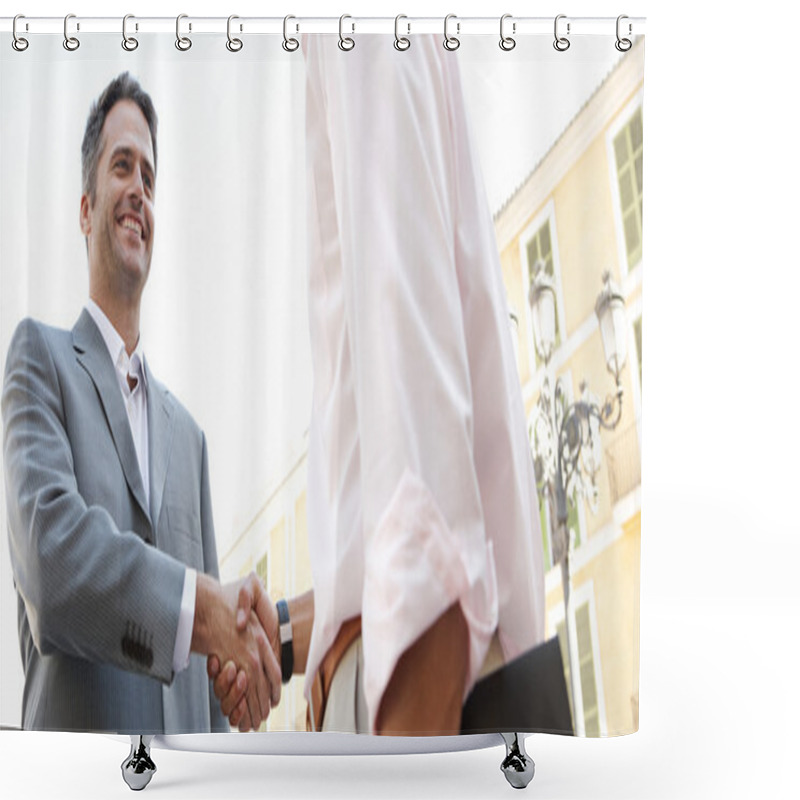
pixel 628 152
pixel 591 712
pixel 588 681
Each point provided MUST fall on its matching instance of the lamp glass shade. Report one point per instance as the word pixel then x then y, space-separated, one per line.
pixel 543 309
pixel 613 330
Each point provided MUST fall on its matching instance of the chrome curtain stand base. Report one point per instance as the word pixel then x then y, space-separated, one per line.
pixel 138 768
pixel 517 766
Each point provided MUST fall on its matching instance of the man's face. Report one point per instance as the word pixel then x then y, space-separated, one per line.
pixel 119 224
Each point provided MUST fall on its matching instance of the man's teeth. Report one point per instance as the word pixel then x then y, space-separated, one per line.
pixel 132 225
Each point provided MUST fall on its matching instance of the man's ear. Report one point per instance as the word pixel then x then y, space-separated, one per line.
pixel 86 222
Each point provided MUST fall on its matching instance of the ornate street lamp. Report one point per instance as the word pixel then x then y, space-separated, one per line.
pixel 565 437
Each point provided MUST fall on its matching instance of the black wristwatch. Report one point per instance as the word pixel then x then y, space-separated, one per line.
pixel 287 646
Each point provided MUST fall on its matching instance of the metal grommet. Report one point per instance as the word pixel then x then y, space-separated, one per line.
pixel 128 42
pixel 451 42
pixel 623 45
pixel 290 44
pixel 561 43
pixel 233 44
pixel 183 43
pixel 345 42
pixel 71 43
pixel 19 43
pixel 401 42
pixel 506 42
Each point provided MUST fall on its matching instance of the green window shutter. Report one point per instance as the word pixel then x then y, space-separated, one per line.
pixel 637 331
pixel 591 710
pixel 561 631
pixel 628 149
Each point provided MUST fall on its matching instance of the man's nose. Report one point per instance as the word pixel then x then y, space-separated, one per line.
pixel 136 187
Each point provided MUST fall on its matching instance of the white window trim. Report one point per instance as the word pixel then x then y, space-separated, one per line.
pixel 547 214
pixel 580 596
pixel 623 118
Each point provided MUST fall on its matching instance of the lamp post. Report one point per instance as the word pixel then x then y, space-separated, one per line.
pixel 565 437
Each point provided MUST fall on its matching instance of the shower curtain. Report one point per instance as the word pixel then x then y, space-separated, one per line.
pixel 379 362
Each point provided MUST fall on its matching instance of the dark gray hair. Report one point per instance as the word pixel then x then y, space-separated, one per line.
pixel 123 87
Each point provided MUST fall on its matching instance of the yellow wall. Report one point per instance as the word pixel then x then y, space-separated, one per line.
pixel 586 237
pixel 586 229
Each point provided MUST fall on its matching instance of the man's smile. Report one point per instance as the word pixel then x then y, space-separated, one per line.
pixel 132 223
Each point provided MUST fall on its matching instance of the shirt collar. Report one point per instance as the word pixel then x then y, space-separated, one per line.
pixel 116 346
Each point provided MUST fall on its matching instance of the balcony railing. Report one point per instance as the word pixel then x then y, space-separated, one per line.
pixel 624 461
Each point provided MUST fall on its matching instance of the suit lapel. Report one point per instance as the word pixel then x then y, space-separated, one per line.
pixel 92 354
pixel 161 423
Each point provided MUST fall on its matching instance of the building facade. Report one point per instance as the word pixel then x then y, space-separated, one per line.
pixel 580 214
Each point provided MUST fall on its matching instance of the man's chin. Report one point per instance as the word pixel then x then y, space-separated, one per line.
pixel 135 271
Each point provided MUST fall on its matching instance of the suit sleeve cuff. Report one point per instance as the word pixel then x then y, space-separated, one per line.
pixel 183 639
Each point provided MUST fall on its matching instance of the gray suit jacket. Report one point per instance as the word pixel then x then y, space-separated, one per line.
pixel 99 575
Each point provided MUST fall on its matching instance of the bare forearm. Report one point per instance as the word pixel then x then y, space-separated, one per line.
pixel 425 692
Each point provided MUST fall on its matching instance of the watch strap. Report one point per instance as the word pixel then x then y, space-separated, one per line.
pixel 287 645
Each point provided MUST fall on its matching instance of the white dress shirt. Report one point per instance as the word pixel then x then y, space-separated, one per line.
pixel 135 401
pixel 421 491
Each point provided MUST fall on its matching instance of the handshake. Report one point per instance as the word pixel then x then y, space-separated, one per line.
pixel 236 627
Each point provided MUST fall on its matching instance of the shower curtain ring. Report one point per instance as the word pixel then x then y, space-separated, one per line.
pixel 128 42
pixel 71 43
pixel 19 43
pixel 290 44
pixel 561 43
pixel 451 42
pixel 345 42
pixel 233 44
pixel 183 43
pixel 507 42
pixel 623 45
pixel 401 42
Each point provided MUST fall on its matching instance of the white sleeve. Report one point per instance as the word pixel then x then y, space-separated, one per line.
pixel 183 639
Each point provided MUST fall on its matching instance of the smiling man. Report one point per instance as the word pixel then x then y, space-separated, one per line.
pixel 109 510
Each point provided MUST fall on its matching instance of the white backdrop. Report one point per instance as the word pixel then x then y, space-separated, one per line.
pixel 720 540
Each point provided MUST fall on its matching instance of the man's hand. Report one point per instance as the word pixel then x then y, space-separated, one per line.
pixel 230 684
pixel 236 635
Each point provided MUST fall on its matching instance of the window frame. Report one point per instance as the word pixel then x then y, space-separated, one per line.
pixel 580 596
pixel 620 122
